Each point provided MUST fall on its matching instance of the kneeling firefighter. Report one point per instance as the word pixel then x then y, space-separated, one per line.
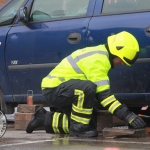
pixel 78 80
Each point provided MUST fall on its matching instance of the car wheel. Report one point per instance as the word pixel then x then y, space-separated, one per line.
pixel 3 106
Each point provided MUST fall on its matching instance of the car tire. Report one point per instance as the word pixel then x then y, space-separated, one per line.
pixel 3 106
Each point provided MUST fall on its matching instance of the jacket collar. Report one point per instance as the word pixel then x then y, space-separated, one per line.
pixel 111 56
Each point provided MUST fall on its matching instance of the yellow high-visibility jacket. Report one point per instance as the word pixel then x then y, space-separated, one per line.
pixel 90 63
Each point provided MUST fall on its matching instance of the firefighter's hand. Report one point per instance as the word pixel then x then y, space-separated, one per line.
pixel 125 114
pixel 135 121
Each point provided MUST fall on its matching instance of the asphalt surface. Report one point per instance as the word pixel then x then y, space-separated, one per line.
pixel 40 140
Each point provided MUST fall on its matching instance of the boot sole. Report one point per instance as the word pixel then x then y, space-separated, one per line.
pixel 84 135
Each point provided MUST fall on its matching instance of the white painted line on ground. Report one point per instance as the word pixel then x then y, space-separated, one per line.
pixel 110 141
pixel 24 143
pixel 72 139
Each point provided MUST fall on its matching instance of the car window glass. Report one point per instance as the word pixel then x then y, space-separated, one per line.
pixel 53 9
pixel 9 12
pixel 116 6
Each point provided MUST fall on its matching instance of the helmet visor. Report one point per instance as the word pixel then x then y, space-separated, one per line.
pixel 133 60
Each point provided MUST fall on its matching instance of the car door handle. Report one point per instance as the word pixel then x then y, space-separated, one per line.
pixel 74 38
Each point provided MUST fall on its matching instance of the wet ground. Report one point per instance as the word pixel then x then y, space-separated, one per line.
pixel 40 140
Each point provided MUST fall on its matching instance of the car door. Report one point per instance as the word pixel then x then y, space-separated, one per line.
pixel 112 16
pixel 54 29
pixel 7 17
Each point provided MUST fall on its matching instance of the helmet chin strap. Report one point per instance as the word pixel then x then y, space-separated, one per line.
pixel 111 56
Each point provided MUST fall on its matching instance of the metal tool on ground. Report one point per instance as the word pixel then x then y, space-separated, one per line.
pixel 143 116
pixel 114 132
pixel 146 118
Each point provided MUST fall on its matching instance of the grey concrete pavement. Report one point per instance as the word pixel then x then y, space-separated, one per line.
pixel 40 140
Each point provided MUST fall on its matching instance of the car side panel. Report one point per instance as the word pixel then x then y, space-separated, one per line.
pixel 34 49
pixel 126 82
pixel 103 26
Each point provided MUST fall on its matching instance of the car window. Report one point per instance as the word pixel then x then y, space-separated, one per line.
pixel 53 9
pixel 8 13
pixel 116 6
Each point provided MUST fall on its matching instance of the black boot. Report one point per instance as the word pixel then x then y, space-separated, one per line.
pixel 81 130
pixel 48 122
pixel 37 120
pixel 93 121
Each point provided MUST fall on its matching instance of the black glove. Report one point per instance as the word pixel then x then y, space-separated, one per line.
pixel 134 120
pixel 125 114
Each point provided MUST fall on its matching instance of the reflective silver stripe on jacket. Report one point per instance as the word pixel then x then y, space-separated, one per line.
pixel 74 65
pixel 60 78
pixel 78 70
pixel 102 82
pixel 89 54
pixel 73 61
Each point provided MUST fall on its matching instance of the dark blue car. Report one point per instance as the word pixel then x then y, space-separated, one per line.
pixel 35 35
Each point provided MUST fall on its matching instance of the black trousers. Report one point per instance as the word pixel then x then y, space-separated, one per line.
pixel 77 93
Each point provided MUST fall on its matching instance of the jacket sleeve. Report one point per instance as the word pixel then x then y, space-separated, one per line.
pixel 120 110
pixel 96 70
pixel 110 103
pixel 108 100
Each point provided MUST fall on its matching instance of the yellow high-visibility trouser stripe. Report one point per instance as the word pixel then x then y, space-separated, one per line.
pixel 82 111
pixel 55 122
pixel 80 95
pixel 114 106
pixel 80 119
pixel 79 108
pixel 65 123
pixel 108 100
